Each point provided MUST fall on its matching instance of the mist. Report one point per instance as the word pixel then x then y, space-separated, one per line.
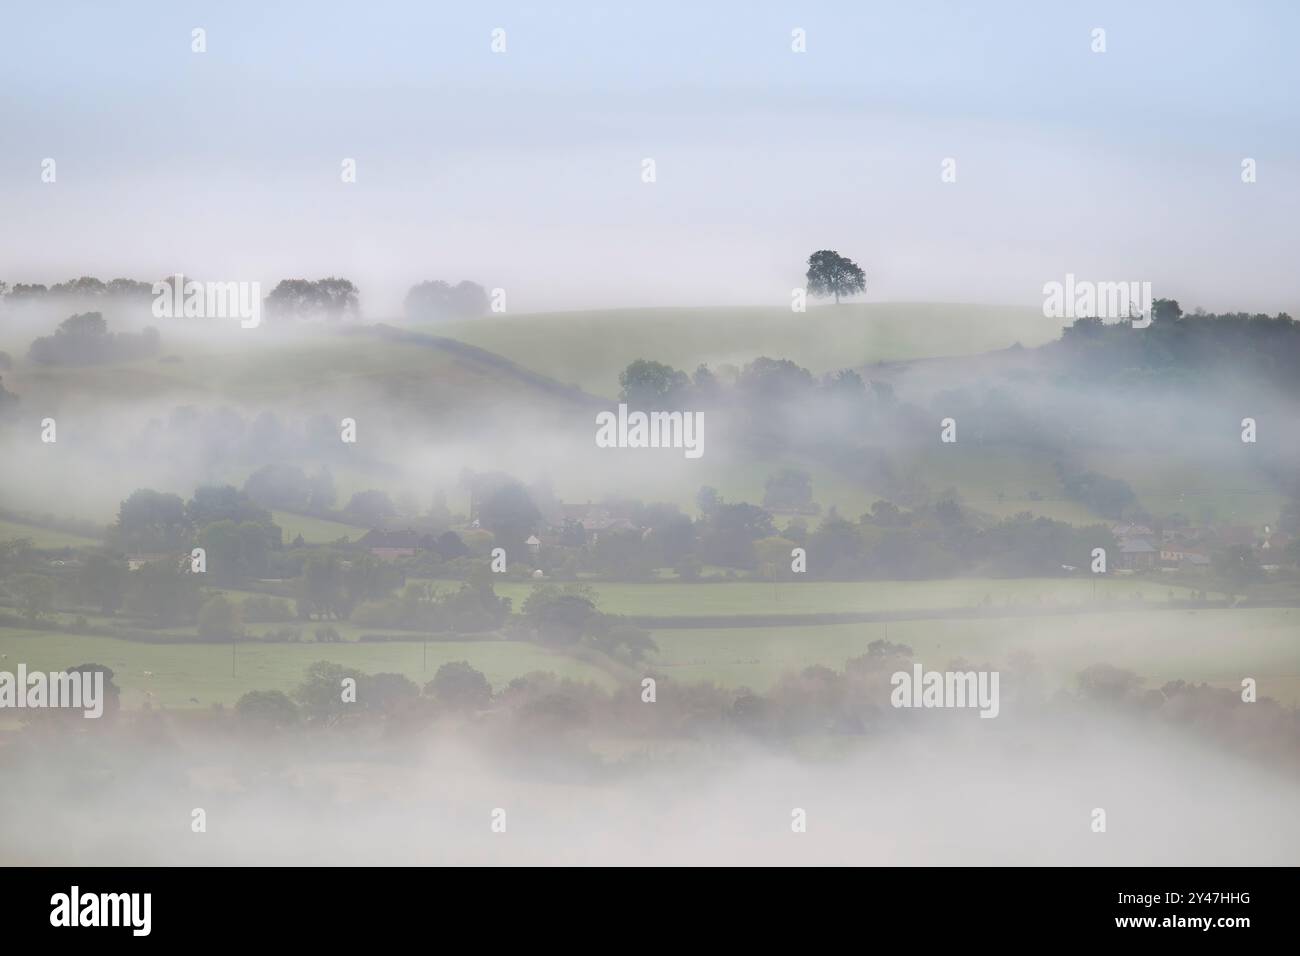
pixel 1017 791
pixel 369 581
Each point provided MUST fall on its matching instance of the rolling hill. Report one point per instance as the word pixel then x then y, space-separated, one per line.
pixel 589 349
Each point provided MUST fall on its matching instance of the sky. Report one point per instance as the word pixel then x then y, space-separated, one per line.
pixel 523 170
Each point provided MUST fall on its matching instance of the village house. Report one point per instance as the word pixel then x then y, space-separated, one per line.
pixel 1130 530
pixel 595 519
pixel 1182 556
pixel 1137 554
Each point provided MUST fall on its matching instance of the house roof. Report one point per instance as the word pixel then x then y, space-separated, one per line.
pixel 1136 546
pixel 1129 529
pixel 615 515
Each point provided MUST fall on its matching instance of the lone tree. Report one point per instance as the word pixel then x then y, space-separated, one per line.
pixel 830 273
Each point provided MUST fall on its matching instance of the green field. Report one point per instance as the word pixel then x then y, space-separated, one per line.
pixel 44 537
pixel 673 598
pixel 314 530
pixel 667 598
pixel 1001 481
pixel 589 349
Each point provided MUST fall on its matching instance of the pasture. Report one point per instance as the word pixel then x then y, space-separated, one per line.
pixel 675 598
pixel 589 349
pixel 1219 647
pixel 314 530
pixel 44 537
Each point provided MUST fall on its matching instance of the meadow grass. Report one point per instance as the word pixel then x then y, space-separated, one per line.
pixel 314 530
pixel 44 537
pixel 676 598
pixel 589 349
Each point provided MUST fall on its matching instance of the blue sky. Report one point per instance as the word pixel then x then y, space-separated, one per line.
pixel 522 170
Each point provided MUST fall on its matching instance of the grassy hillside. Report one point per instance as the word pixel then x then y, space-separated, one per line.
pixel 454 377
pixel 393 382
pixel 589 349
pixel 43 537
pixel 315 530
pixel 303 371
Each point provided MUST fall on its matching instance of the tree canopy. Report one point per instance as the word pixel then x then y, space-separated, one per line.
pixel 830 273
pixel 440 300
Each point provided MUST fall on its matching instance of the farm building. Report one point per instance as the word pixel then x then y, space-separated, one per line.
pixel 1180 556
pixel 1137 554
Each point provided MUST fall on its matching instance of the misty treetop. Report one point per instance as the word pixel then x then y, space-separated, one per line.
pixel 330 298
pixel 441 301
pixel 84 339
pixel 85 287
pixel 647 384
pixel 830 273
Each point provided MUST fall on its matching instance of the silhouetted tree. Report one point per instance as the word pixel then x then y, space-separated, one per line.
pixel 830 273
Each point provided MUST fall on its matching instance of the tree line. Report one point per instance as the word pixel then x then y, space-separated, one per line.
pixel 332 298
